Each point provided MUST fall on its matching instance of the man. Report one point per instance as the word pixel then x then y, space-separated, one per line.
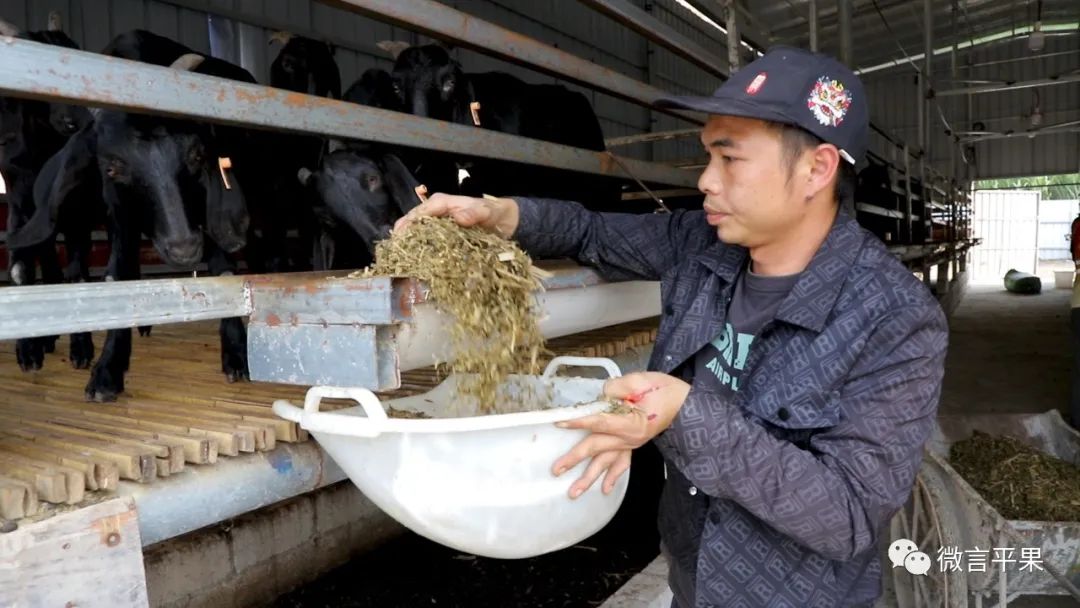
pixel 798 366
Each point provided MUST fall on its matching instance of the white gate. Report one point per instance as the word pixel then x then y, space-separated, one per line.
pixel 1055 224
pixel 1007 222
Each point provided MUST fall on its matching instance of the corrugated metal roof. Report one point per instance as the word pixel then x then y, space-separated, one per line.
pixel 879 25
pixel 575 28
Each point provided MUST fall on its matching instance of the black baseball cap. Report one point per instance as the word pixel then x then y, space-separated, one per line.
pixel 790 85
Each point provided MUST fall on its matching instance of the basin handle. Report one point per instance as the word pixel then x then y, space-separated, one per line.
pixel 311 418
pixel 367 399
pixel 604 362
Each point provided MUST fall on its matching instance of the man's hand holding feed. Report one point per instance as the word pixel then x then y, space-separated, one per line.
pixel 499 215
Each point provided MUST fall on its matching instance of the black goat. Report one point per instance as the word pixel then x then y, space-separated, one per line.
pixel 30 133
pixel 152 174
pixel 430 83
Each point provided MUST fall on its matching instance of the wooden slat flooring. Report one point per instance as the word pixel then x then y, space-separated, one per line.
pixel 177 411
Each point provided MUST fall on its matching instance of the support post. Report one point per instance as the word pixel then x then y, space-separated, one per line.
pixel 954 144
pixel 812 20
pixel 943 277
pixel 844 9
pixel 731 22
pixel 928 79
pixel 920 104
pixel 908 236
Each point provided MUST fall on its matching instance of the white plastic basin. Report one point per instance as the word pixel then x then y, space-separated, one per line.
pixel 478 483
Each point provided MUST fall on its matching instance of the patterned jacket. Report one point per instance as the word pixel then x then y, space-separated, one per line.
pixel 780 497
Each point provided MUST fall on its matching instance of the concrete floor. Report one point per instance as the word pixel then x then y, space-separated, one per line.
pixel 1008 352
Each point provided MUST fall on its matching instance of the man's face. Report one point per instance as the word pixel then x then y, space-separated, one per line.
pixel 749 197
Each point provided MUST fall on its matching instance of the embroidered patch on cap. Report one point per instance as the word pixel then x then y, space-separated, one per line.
pixel 755 85
pixel 829 101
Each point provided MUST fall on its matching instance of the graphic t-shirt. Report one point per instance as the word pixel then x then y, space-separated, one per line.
pixel 718 365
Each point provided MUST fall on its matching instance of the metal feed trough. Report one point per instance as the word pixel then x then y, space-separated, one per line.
pixel 945 511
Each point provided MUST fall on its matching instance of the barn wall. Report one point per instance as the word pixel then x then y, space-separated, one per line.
pixel 245 26
pixel 893 99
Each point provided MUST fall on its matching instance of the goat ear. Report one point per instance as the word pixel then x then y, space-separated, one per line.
pixel 73 166
pixel 394 47
pixel 227 216
pixel 335 145
pixel 401 183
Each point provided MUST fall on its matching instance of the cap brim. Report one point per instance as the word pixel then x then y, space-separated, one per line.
pixel 723 106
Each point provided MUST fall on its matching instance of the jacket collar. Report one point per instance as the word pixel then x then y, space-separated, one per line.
pixel 817 289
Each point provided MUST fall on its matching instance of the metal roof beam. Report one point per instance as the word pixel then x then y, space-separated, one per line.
pixel 906 11
pixel 1026 134
pixel 1009 86
pixel 1051 29
pixel 659 32
pixel 753 36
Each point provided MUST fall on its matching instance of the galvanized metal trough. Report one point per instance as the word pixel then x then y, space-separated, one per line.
pixel 946 512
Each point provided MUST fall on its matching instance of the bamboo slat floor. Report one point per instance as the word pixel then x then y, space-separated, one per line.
pixel 177 411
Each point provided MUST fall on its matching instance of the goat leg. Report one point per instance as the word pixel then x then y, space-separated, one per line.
pixel 234 363
pixel 50 275
pixel 81 347
pixel 107 376
pixel 29 352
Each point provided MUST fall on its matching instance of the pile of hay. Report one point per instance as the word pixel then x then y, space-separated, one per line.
pixel 487 284
pixel 1018 480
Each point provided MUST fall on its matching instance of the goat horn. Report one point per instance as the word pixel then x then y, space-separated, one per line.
pixel 56 24
pixel 394 47
pixel 335 145
pixel 280 36
pixel 7 29
pixel 304 175
pixel 187 62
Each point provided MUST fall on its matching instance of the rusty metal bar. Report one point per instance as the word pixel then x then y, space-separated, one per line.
pixel 48 72
pixel 443 22
pixel 649 137
pixel 659 32
pixel 638 196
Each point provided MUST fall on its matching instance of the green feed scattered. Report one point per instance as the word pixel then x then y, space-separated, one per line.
pixel 1018 480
